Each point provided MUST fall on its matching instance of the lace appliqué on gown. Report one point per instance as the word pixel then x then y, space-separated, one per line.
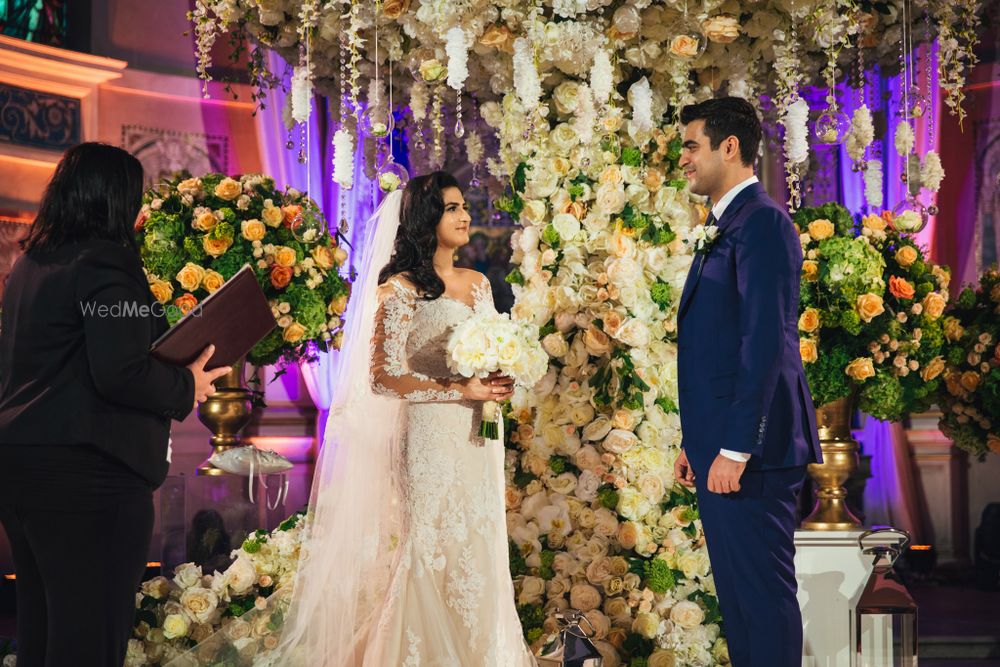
pixel 451 600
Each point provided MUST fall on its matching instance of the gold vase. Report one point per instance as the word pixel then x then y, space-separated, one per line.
pixel 225 413
pixel 840 460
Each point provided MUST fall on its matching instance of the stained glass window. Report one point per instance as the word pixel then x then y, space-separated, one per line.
pixel 41 21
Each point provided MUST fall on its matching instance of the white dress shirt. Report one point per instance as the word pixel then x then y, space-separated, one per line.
pixel 717 210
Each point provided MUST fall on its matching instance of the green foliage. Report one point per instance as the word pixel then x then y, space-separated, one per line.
pixel 515 277
pixel 882 398
pixel 659 577
pixel 827 379
pixel 631 157
pixel 662 294
pixel 835 213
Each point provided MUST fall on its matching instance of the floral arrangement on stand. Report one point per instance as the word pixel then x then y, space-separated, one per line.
pixel 196 233
pixel 970 397
pixel 595 518
pixel 871 311
pixel 174 614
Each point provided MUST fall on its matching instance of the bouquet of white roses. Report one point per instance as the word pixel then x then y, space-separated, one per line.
pixel 488 342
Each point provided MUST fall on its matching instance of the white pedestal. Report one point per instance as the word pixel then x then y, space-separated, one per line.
pixel 832 572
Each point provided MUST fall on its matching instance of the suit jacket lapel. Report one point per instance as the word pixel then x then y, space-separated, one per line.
pixel 748 193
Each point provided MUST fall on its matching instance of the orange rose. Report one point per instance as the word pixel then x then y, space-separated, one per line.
pixel 213 280
pixel 162 290
pixel 900 288
pixel 281 276
pixel 653 180
pixel 810 270
pixel 809 320
pixel 338 305
pixel 969 380
pixel 993 443
pixel 290 212
pixel 684 46
pixel 575 208
pixel 393 9
pixel 869 306
pixel 186 302
pixel 874 223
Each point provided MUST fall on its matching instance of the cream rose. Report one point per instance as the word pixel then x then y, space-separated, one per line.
pixel 596 341
pixel 687 614
pixel 870 306
pixel 646 624
pixel 566 225
pixel 228 189
pixel 175 625
pixel 722 29
pixel 633 333
pixel 610 198
pixel 532 589
pixel 584 597
pixel 620 440
pixel 241 576
pixel 190 276
pixel 190 187
pixel 662 658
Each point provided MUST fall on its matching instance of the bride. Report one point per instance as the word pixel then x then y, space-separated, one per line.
pixel 405 563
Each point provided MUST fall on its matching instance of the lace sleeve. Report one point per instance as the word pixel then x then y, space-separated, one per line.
pixel 482 296
pixel 390 375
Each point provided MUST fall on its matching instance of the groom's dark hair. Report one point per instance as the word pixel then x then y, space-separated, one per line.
pixel 728 117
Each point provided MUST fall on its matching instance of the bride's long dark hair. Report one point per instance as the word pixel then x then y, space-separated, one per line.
pixel 416 241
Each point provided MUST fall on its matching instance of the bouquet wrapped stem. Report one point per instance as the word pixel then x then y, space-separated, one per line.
pixel 490 428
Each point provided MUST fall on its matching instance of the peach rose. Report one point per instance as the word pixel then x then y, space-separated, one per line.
pixel 596 341
pixel 191 186
pixel 162 290
pixel 293 332
pixel 969 380
pixel 272 216
pixel 575 208
pixel 253 230
pixel 228 189
pixel 186 302
pixel 499 37
pixel 821 229
pixel 284 256
pixel 612 321
pixel 653 179
pixel 953 329
pixel 874 223
pixel 900 288
pixel 993 443
pixel 943 276
pixel 323 257
pixel 216 247
pixel 810 270
pixel 934 305
pixel 870 306
pixel 932 369
pixel 584 597
pixel 212 281
pixel 205 222
pixel 280 276
pixel 289 213
pixel 684 46
pixel 393 9
pixel 628 535
pixel 808 350
pixel 860 369
pixel 906 256
pixel 722 29
pixel 190 276
pixel 809 320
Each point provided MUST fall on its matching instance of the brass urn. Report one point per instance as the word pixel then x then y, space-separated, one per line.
pixel 226 413
pixel 840 460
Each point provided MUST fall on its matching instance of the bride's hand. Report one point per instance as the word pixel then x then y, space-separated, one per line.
pixel 494 387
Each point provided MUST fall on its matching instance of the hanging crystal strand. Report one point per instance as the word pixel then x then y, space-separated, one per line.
pixel 437 153
pixel 355 58
pixel 341 103
pixel 929 82
pixel 459 128
pixel 290 144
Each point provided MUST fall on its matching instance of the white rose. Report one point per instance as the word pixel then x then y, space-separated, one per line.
pixel 693 564
pixel 610 198
pixel 637 195
pixel 175 625
pixel 619 441
pixel 907 221
pixel 581 414
pixel 199 603
pixel 597 429
pixel 651 486
pixel 187 575
pixel 566 97
pixel 541 183
pixel 633 333
pixel 534 210
pixel 687 614
pixel 563 138
pixel 567 225
pixel 632 504
pixel 241 576
pixel 532 589
pixel 564 483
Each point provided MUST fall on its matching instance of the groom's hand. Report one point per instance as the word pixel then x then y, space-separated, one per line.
pixel 724 475
pixel 683 472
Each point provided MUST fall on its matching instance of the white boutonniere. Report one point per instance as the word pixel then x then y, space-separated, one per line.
pixel 704 237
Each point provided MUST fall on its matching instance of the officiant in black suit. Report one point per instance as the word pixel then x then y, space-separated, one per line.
pixel 84 413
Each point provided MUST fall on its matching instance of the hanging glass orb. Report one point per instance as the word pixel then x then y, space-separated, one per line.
pixel 424 65
pixel 392 176
pixel 831 126
pixel 919 104
pixel 307 226
pixel 688 41
pixel 626 22
pixel 377 121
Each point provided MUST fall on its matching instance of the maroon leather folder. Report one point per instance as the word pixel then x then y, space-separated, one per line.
pixel 234 318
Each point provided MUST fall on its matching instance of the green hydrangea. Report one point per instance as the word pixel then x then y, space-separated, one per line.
pixel 550 236
pixel 827 379
pixel 835 213
pixel 659 577
pixel 882 398
pixel 662 294
pixel 850 268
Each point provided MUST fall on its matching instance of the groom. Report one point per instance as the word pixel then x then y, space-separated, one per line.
pixel 746 413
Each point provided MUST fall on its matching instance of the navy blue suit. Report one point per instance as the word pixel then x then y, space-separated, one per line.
pixel 743 388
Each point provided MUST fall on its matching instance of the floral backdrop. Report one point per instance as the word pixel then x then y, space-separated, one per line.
pixel 566 109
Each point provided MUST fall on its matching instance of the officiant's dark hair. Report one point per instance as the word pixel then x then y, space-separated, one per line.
pixel 416 240
pixel 728 117
pixel 95 193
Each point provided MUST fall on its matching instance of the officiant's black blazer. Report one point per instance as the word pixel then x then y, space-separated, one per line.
pixel 74 357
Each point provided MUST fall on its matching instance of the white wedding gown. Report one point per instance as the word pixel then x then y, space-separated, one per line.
pixel 450 600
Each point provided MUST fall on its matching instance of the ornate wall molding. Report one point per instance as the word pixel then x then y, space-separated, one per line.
pixel 39 119
pixel 163 152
